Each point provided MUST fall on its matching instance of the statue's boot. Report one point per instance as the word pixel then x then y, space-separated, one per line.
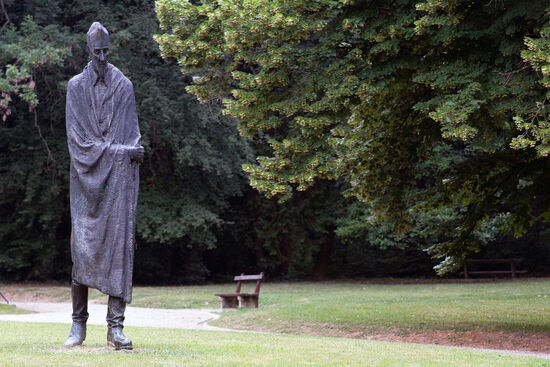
pixel 79 294
pixel 115 322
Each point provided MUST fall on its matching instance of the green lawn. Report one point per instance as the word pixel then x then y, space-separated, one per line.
pixel 520 306
pixel 23 344
pixel 10 309
pixel 336 308
pixel 510 306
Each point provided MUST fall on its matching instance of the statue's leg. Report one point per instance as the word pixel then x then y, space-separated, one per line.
pixel 115 323
pixel 79 294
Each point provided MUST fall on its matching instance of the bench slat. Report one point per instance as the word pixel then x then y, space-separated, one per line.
pixel 236 294
pixel 249 277
pixel 480 272
pixel 493 261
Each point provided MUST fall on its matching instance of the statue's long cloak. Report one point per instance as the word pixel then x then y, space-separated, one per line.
pixel 104 181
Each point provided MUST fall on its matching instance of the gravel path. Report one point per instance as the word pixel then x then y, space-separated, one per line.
pixel 135 316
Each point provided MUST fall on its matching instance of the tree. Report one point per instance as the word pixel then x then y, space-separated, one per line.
pixel 197 216
pixel 416 105
pixel 31 165
pixel 192 170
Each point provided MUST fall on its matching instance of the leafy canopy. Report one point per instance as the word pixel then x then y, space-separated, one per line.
pixel 422 107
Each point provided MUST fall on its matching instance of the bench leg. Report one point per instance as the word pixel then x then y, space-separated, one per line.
pixel 248 301
pixel 229 302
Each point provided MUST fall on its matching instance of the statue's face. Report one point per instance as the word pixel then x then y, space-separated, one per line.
pixel 99 52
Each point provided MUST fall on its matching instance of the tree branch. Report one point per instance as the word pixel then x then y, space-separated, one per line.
pixel 508 76
pixel 50 157
pixel 5 14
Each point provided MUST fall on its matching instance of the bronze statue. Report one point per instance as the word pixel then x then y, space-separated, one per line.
pixel 104 145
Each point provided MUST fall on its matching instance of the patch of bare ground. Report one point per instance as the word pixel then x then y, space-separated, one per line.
pixel 36 292
pixel 532 342
pixel 44 292
pixel 517 341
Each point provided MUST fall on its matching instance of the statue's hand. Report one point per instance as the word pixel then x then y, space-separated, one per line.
pixel 136 154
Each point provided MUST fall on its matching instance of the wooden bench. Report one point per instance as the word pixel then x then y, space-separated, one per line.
pixel 512 262
pixel 238 299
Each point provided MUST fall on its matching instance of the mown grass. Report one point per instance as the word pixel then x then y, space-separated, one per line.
pixel 519 306
pixel 10 309
pixel 23 344
pixel 510 306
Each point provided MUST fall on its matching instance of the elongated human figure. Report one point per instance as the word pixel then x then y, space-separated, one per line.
pixel 104 145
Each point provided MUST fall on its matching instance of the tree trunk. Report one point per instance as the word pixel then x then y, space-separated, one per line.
pixel 321 265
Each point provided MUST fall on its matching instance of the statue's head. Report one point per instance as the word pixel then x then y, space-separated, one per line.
pixel 97 39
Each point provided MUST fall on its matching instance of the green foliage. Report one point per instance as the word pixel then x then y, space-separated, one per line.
pixel 411 103
pixel 197 216
pixel 23 52
pixel 415 107
pixel 294 239
pixel 536 125
pixel 32 170
pixel 255 61
pixel 192 168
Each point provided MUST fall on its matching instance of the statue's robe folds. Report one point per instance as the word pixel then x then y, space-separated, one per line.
pixel 104 181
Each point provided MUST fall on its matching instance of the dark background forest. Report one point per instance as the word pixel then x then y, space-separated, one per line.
pixel 198 217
